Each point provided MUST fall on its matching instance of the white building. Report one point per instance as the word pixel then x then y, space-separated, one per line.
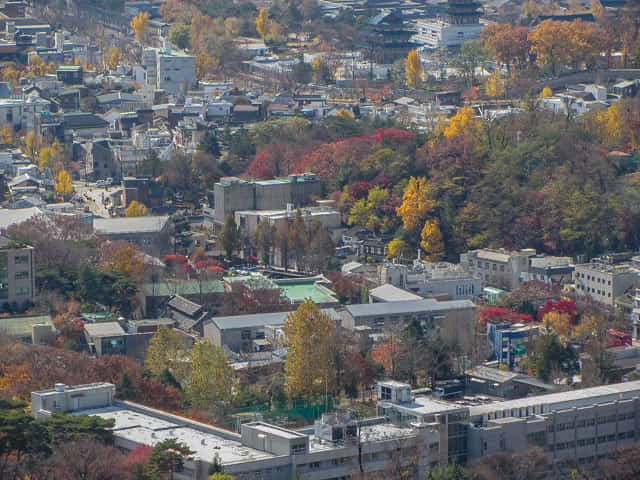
pixel 434 34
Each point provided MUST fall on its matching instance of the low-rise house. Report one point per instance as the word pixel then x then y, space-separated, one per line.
pixel 109 338
pixel 188 316
pixel 483 380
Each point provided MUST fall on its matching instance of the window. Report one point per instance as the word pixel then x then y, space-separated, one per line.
pixel 502 268
pixel 21 259
pixel 22 290
pixel 385 393
pixel 22 275
pixel 245 334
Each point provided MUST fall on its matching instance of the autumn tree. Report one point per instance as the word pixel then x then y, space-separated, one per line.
pixel 464 123
pixel 551 44
pixel 229 236
pixel 546 92
pixel 416 204
pixel 413 69
pixel 262 23
pixel 32 144
pixel 7 134
pixel 264 239
pixel 113 57
pixel 510 44
pixel 63 185
pixel 431 240
pixel 495 85
pixel 398 248
pixel 140 26
pixel 211 379
pixel 136 209
pixel 122 256
pixel 52 158
pixel 310 368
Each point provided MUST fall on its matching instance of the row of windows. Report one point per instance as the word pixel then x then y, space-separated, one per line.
pixel 22 290
pixel 493 266
pixel 591 441
pixel 593 290
pixel 593 278
pixel 589 422
pixel 22 275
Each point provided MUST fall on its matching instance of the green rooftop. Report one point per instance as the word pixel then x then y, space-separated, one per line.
pixel 299 290
pixel 96 317
pixel 20 325
pixel 185 287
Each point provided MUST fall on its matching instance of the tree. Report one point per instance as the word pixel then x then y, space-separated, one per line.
pixel 413 69
pixel 206 65
pixel 344 113
pixel 229 236
pixel 87 459
pixel 495 85
pixel 416 204
pixel 551 43
pixel 263 23
pixel 168 351
pixel 63 185
pixel 209 144
pixel 432 242
pixel 551 358
pixel 398 248
pixel 310 370
pixel 546 92
pixel 114 57
pixel 140 26
pixel 125 389
pixel 168 457
pixel 264 239
pixel 211 380
pixel 179 35
pixel 472 55
pixel 32 144
pixel 464 123
pixel 221 476
pixel 510 44
pixel 452 471
pixel 52 158
pixel 136 209
pixel 7 134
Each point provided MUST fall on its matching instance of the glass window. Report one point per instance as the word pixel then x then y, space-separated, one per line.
pixel 22 275
pixel 21 259
pixel 22 290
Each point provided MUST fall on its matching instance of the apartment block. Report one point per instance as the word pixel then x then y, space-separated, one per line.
pixel 604 281
pixel 17 274
pixel 497 268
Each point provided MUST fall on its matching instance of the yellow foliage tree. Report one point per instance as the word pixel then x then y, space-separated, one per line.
pixel 317 63
pixel 52 157
pixel 464 122
pixel 546 92
pixel 114 57
pixel 140 26
pixel 211 377
pixel 38 66
pixel 205 65
pixel 32 144
pixel 310 369
pixel 344 113
pixel 263 24
pixel 7 134
pixel 432 242
pixel 63 185
pixel 398 248
pixel 168 351
pixel 558 322
pixel 416 204
pixel 495 86
pixel 136 209
pixel 413 69
pixel 124 257
pixel 11 75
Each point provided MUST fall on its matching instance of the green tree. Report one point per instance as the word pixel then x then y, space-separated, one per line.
pixel 310 369
pixel 229 236
pixel 263 240
pixel 63 428
pixel 551 358
pixel 126 389
pixel 167 457
pixel 179 35
pixel 211 379
pixel 209 144
pixel 168 351
pixel 452 471
pixel 472 55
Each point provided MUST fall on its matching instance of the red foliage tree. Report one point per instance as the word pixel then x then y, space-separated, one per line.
pixel 567 307
pixel 498 314
pixel 358 190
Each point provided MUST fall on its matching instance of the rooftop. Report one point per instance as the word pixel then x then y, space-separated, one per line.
pixel 565 400
pixel 299 290
pixel 20 325
pixel 259 319
pixel 185 287
pixel 106 329
pixel 407 307
pixel 391 293
pixel 124 225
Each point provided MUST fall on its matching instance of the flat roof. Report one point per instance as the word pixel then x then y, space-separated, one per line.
pixel 425 406
pixel 149 430
pixel 565 400
pixel 391 293
pixel 122 225
pixel 259 319
pixel 106 329
pixel 186 287
pixel 407 307
pixel 301 290
pixel 276 431
pixel 20 325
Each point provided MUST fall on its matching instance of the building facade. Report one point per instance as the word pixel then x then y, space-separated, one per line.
pixel 602 281
pixel 498 268
pixel 17 274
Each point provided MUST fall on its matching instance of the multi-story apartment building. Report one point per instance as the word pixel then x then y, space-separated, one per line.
pixel 604 281
pixel 17 274
pixel 498 268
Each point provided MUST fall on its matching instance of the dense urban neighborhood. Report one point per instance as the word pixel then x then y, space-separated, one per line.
pixel 319 239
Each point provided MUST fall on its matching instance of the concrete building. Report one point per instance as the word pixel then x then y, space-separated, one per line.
pixel 500 383
pixel 604 281
pixel 17 274
pixel 151 234
pixel 547 269
pixel 109 338
pixel 509 341
pixel 232 194
pixel 23 113
pixel 334 449
pixel 431 279
pixel 174 72
pixel 63 398
pixel 238 333
pixel 577 427
pixel 498 268
pixel 248 220
pixel 460 23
